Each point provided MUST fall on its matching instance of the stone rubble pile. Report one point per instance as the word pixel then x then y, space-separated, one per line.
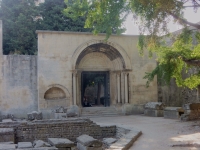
pixel 191 111
pixel 34 115
pixel 60 113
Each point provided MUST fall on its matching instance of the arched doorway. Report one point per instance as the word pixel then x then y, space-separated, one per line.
pixel 101 59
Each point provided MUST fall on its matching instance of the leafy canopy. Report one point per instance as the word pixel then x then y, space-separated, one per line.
pixel 174 59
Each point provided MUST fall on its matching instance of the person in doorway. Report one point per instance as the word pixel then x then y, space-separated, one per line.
pixel 85 102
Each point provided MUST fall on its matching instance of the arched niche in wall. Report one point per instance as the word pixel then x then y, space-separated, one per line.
pixel 56 95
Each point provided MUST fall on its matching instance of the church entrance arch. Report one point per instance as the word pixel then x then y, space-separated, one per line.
pixel 100 60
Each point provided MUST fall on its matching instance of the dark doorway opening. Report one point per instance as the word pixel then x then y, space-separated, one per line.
pixel 95 88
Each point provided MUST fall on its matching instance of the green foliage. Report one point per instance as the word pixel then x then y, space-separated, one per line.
pixel 173 62
pixel 54 19
pixel 104 16
pixel 21 18
pixel 154 15
pixel 18 26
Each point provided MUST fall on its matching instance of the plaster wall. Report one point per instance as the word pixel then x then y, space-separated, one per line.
pixel 58 52
pixel 19 85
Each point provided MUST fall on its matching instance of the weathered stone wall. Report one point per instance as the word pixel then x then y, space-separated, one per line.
pixel 176 96
pixel 70 129
pixel 59 52
pixel 19 85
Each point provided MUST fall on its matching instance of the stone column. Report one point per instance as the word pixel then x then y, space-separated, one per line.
pixel 118 88
pixel 126 87
pixel 74 87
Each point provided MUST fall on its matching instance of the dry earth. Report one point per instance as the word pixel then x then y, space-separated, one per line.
pixel 159 133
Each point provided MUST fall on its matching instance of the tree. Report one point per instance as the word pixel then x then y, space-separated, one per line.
pixel 21 18
pixel 175 58
pixel 18 26
pixel 51 12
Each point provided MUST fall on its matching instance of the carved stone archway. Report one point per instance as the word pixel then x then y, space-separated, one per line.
pixel 112 58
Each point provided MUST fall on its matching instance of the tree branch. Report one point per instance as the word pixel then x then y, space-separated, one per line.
pixel 185 21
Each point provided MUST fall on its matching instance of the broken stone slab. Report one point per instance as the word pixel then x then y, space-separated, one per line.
pixel 41 148
pixel 109 141
pixel 61 143
pixel 40 143
pixel 7 135
pixel 7 146
pixel 24 145
pixel 154 105
pixel 125 142
pixel 34 115
pixel 88 141
pixel 73 111
pixel 173 112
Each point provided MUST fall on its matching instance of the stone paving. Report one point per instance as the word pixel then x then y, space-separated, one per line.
pixel 159 133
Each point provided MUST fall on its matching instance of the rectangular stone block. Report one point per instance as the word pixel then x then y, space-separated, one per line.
pixel 153 113
pixel 173 112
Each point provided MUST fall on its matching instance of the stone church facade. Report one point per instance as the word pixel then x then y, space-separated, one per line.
pixel 55 76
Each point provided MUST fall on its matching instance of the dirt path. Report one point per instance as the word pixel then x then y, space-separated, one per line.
pixel 158 133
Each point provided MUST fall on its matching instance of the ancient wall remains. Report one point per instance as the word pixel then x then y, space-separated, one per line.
pixel 19 85
pixel 177 96
pixel 70 129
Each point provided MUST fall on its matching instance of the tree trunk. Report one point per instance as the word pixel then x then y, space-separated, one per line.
pixel 99 93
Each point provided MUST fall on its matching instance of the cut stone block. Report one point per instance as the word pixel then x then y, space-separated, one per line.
pixel 7 135
pixel 24 145
pixel 86 142
pixel 173 112
pixel 153 113
pixel 7 146
pixel 61 143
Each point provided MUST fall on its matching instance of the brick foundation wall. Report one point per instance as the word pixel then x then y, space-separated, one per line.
pixel 70 129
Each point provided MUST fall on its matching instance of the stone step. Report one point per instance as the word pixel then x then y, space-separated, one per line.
pixel 99 111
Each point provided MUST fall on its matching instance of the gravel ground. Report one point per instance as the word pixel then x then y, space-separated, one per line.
pixel 159 133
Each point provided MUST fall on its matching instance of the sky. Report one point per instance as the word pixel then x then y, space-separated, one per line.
pixel 190 15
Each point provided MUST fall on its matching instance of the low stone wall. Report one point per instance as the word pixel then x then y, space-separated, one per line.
pixel 7 134
pixel 70 129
